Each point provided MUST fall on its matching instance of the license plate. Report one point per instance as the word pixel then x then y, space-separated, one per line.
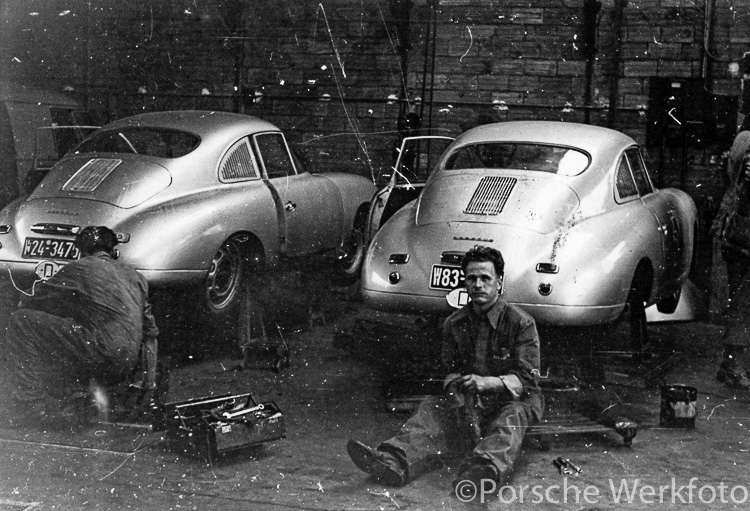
pixel 46 248
pixel 446 277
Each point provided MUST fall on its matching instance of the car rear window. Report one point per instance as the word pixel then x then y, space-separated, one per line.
pixel 159 142
pixel 520 156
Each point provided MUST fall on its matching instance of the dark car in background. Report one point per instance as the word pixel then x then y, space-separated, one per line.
pixel 37 127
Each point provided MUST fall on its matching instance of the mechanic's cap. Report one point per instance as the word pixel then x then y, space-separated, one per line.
pixel 94 238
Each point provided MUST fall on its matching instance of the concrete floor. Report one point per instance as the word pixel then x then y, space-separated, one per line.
pixel 332 392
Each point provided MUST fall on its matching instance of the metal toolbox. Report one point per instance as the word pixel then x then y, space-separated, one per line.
pixel 211 426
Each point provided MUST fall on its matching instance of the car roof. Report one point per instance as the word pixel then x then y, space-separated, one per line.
pixel 202 123
pixel 592 139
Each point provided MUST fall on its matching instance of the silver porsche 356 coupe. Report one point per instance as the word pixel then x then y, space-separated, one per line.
pixel 197 198
pixel 582 228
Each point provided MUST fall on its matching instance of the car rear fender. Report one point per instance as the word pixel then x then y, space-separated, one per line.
pixel 180 236
pixel 687 214
pixel 597 257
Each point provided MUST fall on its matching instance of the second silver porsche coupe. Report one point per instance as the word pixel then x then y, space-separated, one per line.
pixel 583 230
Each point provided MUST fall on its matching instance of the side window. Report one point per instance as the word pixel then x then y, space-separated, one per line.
pixel 275 155
pixel 237 164
pixel 642 182
pixel 625 185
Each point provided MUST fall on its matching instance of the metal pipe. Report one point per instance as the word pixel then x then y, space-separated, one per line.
pixel 434 51
pixel 590 11
pixel 306 99
pixel 424 67
pixel 614 81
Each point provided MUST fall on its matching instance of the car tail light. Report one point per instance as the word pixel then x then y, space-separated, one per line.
pixel 394 277
pixel 398 259
pixel 547 268
pixel 5 229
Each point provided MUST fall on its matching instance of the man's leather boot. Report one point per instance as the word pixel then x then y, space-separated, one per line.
pixel 383 466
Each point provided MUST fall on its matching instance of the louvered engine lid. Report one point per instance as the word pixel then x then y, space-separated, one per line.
pixel 124 182
pixel 538 204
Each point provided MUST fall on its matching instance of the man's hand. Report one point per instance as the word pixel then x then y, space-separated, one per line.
pixel 475 384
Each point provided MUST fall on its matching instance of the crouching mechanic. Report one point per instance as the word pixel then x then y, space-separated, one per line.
pixel 90 321
pixel 491 355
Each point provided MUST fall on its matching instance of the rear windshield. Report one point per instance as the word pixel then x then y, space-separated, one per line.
pixel 159 142
pixel 520 156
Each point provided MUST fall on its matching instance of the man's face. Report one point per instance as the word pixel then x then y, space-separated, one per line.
pixel 483 284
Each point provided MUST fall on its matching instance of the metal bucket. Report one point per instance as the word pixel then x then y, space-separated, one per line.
pixel 678 406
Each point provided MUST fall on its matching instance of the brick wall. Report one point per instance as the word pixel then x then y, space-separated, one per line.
pixel 324 70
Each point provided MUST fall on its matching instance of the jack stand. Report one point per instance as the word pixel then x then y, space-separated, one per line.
pixel 254 341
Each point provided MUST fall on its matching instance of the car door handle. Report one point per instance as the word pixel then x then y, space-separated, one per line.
pixel 290 206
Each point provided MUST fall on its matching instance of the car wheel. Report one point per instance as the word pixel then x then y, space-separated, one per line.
pixel 223 284
pixel 349 261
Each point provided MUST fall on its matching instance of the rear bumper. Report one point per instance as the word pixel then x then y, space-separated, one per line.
pixel 408 303
pixel 23 277
pixel 569 315
pixel 559 315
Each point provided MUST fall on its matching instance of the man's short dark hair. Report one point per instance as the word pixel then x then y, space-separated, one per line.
pixel 482 254
pixel 96 238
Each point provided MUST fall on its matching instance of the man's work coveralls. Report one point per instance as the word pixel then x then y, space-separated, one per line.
pixel 502 342
pixel 88 321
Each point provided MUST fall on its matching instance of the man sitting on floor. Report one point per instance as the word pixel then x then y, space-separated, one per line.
pixel 491 355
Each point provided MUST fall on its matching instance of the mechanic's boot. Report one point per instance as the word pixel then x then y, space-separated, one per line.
pixel 476 477
pixel 384 467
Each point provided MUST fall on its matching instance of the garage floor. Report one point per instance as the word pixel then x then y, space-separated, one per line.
pixel 333 391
